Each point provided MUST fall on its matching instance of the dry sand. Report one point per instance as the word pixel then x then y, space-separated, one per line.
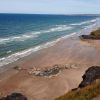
pixel 68 51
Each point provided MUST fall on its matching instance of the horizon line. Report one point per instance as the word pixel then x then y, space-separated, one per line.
pixel 50 14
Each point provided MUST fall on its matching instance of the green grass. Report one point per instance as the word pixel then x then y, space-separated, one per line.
pixel 86 93
pixel 96 33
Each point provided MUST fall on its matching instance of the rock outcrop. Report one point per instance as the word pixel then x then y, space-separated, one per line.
pixel 89 37
pixel 94 35
pixel 46 72
pixel 14 96
pixel 96 32
pixel 91 74
pixel 91 92
pixel 52 71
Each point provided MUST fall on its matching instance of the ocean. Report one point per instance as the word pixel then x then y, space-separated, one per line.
pixel 23 34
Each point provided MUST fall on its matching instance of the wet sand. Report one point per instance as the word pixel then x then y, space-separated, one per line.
pixel 68 51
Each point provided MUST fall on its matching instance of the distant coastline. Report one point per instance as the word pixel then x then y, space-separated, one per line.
pixel 55 14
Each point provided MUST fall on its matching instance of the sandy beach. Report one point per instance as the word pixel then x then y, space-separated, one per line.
pixel 72 51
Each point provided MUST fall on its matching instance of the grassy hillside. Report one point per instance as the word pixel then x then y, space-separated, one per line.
pixel 96 33
pixel 86 93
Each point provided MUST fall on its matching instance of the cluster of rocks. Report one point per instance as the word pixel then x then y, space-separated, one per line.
pixel 14 96
pixel 92 74
pixel 51 71
pixel 46 72
pixel 71 66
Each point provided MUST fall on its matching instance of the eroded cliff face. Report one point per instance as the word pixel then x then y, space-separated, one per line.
pixel 88 89
pixel 91 74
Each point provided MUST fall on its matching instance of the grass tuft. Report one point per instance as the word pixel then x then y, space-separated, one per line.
pixel 96 33
pixel 86 93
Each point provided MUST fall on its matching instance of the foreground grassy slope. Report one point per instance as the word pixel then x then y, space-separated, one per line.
pixel 96 33
pixel 86 93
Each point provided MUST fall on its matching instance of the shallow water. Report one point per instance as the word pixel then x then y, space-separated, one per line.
pixel 20 35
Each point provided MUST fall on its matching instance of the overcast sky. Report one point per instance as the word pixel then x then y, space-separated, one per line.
pixel 50 6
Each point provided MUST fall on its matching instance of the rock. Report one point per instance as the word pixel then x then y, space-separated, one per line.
pixel 51 71
pixel 95 35
pixel 89 37
pixel 96 32
pixel 17 68
pixel 67 66
pixel 14 96
pixel 46 72
pixel 74 66
pixel 91 75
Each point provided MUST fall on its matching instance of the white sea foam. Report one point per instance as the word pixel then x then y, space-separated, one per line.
pixel 87 29
pixel 17 38
pixel 9 51
pixel 60 28
pixel 85 22
pixel 26 36
pixel 89 26
pixel 17 56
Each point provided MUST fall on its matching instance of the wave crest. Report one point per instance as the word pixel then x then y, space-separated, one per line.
pixel 34 34
pixel 85 22
pixel 18 55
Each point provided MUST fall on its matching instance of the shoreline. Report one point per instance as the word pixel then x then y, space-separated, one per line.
pixel 25 53
pixel 67 51
pixel 28 52
pixel 4 61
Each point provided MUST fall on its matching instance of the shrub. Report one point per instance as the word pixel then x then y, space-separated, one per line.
pixel 96 33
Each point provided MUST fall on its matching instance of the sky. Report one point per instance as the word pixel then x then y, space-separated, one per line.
pixel 50 6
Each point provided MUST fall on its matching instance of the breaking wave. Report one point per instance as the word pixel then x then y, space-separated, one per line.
pixel 18 55
pixel 85 22
pixel 34 34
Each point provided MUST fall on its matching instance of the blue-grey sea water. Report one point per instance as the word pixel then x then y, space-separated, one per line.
pixel 21 33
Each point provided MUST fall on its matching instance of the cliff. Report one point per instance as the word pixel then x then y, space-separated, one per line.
pixel 88 88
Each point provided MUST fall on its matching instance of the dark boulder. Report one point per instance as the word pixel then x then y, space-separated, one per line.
pixel 89 37
pixel 14 96
pixel 90 76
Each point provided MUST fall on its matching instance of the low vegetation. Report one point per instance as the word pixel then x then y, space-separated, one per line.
pixel 86 93
pixel 96 33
